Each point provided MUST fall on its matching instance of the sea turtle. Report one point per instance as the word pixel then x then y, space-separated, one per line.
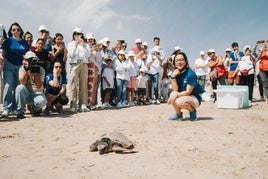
pixel 113 142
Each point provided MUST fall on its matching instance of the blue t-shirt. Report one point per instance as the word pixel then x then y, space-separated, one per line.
pixel 189 78
pixel 62 80
pixel 234 57
pixel 15 50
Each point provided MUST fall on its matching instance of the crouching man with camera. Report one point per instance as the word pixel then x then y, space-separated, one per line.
pixel 30 90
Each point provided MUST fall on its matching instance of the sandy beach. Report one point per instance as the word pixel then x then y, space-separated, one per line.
pixel 223 143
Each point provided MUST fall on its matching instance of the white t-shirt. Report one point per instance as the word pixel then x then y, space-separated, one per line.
pixel 202 70
pixel 142 81
pixel 245 64
pixel 108 73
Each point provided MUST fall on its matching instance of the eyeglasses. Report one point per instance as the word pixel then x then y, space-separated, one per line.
pixel 13 30
pixel 57 66
pixel 124 46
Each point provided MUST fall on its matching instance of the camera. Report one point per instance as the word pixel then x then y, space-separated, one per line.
pixel 33 65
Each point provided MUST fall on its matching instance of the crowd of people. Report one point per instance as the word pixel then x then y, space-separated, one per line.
pixel 44 74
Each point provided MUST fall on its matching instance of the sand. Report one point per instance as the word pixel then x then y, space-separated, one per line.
pixel 223 143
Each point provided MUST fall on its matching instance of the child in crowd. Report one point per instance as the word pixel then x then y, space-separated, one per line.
pixel 165 89
pixel 142 87
pixel 133 73
pixel 108 82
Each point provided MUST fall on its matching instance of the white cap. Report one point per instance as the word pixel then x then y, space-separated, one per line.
pixel 145 43
pixel 137 41
pixel 211 50
pixel 102 42
pixel 202 52
pixel 156 49
pixel 42 27
pixel 30 54
pixel 77 29
pixel 247 47
pixel 2 28
pixel 131 53
pixel 228 50
pixel 142 69
pixel 106 39
pixel 177 48
pixel 121 52
pixel 90 36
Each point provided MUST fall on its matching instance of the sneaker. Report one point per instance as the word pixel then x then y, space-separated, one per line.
pixel 104 105
pixel 84 108
pixel 47 111
pixel 175 116
pixel 20 116
pixel 119 105
pixel 261 98
pixel 153 102
pixel 36 113
pixel 93 107
pixel 157 101
pixel 14 112
pixel 150 101
pixel 5 114
pixel 193 115
pixel 109 106
pixel 72 109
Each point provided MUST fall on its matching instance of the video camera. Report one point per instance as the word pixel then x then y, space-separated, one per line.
pixel 33 65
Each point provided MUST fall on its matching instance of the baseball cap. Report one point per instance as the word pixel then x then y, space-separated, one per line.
pixel 121 52
pixel 30 54
pixel 137 41
pixel 77 29
pixel 131 53
pixel 228 50
pixel 202 52
pixel 142 69
pixel 90 36
pixel 211 50
pixel 247 47
pixel 42 27
pixel 145 43
pixel 177 48
pixel 106 39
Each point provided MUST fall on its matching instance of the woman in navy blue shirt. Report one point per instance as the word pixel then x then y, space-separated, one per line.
pixel 14 48
pixel 186 89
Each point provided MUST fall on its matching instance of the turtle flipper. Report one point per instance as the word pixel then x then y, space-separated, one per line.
pixel 121 150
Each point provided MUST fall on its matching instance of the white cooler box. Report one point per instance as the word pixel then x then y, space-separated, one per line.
pixel 231 97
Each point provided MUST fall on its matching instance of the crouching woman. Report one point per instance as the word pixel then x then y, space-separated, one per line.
pixel 185 88
pixel 56 88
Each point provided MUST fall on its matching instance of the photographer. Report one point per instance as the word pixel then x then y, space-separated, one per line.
pixel 30 90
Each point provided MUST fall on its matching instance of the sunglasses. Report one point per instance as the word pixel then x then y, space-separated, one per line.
pixel 57 66
pixel 13 30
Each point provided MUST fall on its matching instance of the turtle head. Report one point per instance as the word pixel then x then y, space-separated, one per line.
pixel 104 145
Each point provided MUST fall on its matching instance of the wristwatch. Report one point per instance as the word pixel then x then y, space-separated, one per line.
pixel 172 76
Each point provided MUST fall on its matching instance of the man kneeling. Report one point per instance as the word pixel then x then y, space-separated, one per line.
pixel 30 90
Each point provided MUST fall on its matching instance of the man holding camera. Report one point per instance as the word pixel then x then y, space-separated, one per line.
pixel 30 89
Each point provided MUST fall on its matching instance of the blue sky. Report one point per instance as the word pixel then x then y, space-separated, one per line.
pixel 193 25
